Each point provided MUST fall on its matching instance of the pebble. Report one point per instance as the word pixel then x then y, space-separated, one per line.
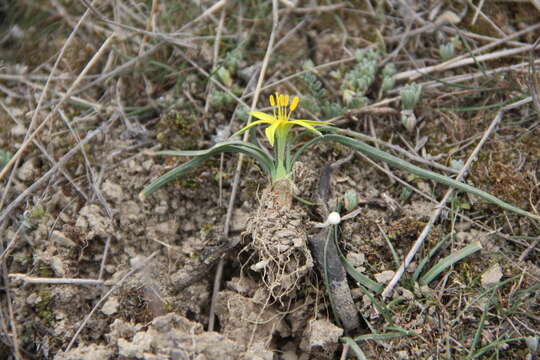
pixel 492 276
pixel 385 276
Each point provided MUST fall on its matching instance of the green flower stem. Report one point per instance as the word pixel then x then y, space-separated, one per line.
pixel 281 143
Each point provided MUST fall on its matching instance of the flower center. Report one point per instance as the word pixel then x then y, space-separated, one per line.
pixel 281 108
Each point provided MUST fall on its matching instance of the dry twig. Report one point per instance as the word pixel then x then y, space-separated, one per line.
pixel 438 209
pixel 236 181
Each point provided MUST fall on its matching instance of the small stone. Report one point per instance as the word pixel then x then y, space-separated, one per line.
pixel 385 276
pixel 86 352
pixel 406 293
pixel 111 306
pixel 33 299
pixel 334 218
pixel 58 266
pixel 492 276
pixel 59 238
pixel 239 220
pixel 321 336
pixel 112 191
pixel 403 355
pixel 28 171
pixel 289 355
pixel 90 218
pixel 18 130
pixel 356 259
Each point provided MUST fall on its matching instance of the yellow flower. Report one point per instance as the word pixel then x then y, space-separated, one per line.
pixel 280 122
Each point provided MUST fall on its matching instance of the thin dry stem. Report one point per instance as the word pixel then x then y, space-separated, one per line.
pixel 49 173
pixel 139 267
pixel 438 209
pixel 56 281
pixel 452 64
pixel 236 182
pixel 27 142
pixel 46 154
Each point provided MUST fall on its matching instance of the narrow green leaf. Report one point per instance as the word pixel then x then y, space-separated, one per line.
pixel 405 165
pixel 494 345
pixel 262 158
pixel 481 323
pixel 354 347
pixel 426 259
pixel 386 336
pixel 449 261
pixel 393 251
pixel 358 276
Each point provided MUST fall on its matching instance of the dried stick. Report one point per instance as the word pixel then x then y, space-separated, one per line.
pixel 415 74
pixel 485 17
pixel 313 9
pixel 528 250
pixel 150 25
pixel 47 155
pixel 215 56
pixel 87 68
pixel 150 51
pixel 467 77
pixel 57 281
pixel 13 324
pixel 49 173
pixel 104 297
pixel 104 257
pixel 438 209
pixel 236 182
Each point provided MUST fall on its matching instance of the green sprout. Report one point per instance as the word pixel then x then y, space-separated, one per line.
pixel 410 96
pixel 446 51
pixel 357 81
pixel 319 102
pixel 279 165
pixel 389 80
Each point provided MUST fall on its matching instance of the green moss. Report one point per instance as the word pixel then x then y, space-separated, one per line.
pixel 44 270
pixel 38 212
pixel 207 230
pixel 44 306
pixel 179 129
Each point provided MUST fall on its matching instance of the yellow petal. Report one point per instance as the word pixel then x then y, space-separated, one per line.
pixel 306 125
pixel 270 132
pixel 247 127
pixel 294 103
pixel 315 122
pixel 263 116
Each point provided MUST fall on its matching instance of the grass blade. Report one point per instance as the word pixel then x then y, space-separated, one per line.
pixel 395 255
pixel 386 336
pixel 494 345
pixel 263 159
pixel 358 276
pixel 426 259
pixel 354 347
pixel 413 169
pixel 481 324
pixel 449 261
